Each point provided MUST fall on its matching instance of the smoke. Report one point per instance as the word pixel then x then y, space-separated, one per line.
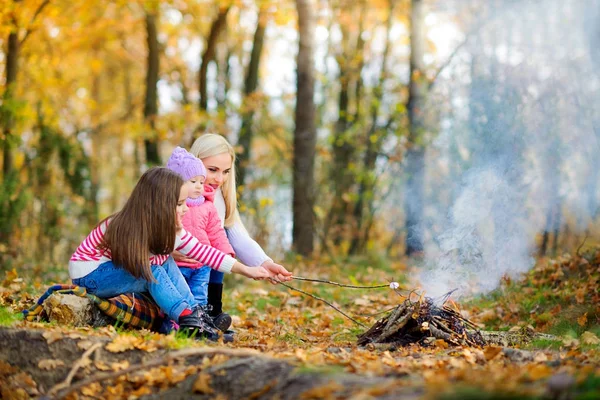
pixel 519 147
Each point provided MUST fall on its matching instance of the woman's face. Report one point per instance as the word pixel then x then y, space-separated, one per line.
pixel 217 169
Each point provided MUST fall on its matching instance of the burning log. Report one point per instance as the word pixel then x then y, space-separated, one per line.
pixel 412 322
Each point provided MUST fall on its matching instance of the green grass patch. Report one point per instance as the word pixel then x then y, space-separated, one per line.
pixel 589 389
pixel 543 344
pixel 291 338
pixel 7 317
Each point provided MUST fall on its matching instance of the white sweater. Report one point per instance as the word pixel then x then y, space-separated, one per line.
pixel 246 249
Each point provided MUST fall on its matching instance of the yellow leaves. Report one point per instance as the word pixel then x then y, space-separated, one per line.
pixel 120 365
pixel 326 391
pixel 538 371
pixel 52 336
pixel 588 337
pixel 123 343
pixel 128 342
pixel 202 384
pixel 491 352
pixel 583 320
pixel 48 364
pixel 580 295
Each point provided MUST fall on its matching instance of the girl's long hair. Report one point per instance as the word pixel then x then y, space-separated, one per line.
pixel 147 223
pixel 212 144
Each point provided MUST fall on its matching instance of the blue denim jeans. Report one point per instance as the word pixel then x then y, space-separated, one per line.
pixel 170 291
pixel 216 276
pixel 197 280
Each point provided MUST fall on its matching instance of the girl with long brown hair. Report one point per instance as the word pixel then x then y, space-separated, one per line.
pixel 130 251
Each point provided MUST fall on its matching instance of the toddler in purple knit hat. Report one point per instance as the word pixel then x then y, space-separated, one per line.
pixel 202 221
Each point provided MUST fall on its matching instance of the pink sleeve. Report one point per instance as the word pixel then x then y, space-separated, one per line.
pixel 216 233
pixel 189 246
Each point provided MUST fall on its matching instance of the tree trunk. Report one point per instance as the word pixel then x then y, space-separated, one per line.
pixel 304 134
pixel 343 151
pixel 374 139
pixel 415 157
pixel 151 102
pixel 209 54
pixel 12 59
pixel 250 85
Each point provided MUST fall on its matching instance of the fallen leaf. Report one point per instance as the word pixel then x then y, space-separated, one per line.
pixel 102 366
pixel 491 352
pixel 50 364
pixel 326 391
pixel 202 384
pixel 588 337
pixel 118 366
pixel 583 320
pixel 85 344
pixel 539 371
pixel 52 336
pixel 580 295
pixel 123 343
pixel 362 302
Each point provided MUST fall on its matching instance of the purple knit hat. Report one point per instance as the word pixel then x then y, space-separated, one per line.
pixel 185 164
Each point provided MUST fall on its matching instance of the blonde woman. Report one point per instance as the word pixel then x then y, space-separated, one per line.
pixel 218 157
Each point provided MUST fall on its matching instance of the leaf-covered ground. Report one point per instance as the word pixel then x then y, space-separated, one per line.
pixel 558 296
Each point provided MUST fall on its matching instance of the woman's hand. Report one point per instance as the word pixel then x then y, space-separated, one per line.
pixel 256 273
pixel 277 272
pixel 177 256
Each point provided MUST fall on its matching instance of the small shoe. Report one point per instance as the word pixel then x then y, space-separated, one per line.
pixel 198 325
pixel 222 321
pixel 228 336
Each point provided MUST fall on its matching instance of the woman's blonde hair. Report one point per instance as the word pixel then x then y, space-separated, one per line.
pixel 212 144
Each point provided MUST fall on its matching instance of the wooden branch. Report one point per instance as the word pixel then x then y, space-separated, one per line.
pixel 395 327
pixel 324 301
pixel 299 278
pixel 80 363
pixel 35 15
pixel 446 63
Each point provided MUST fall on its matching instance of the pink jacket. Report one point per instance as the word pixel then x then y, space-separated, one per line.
pixel 203 222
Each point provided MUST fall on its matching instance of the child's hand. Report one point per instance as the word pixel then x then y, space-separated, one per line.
pixel 177 256
pixel 257 273
pixel 277 273
pixel 250 272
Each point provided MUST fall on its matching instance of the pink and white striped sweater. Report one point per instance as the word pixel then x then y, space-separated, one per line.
pixel 88 257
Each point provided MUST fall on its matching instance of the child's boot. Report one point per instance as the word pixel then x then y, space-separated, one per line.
pixel 215 295
pixel 199 325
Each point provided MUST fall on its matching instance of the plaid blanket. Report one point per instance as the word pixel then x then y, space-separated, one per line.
pixel 133 309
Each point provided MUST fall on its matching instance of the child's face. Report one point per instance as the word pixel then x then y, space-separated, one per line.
pixel 196 187
pixel 181 206
pixel 217 169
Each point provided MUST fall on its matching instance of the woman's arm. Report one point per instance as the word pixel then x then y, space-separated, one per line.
pixel 251 253
pixel 246 248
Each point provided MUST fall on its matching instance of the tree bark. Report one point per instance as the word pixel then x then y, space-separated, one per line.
pixel 374 140
pixel 343 151
pixel 415 157
pixel 304 134
pixel 250 85
pixel 12 59
pixel 217 27
pixel 151 102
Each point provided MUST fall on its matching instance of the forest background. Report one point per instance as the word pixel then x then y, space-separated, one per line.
pixel 462 132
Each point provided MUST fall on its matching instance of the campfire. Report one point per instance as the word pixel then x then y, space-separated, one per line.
pixel 415 321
